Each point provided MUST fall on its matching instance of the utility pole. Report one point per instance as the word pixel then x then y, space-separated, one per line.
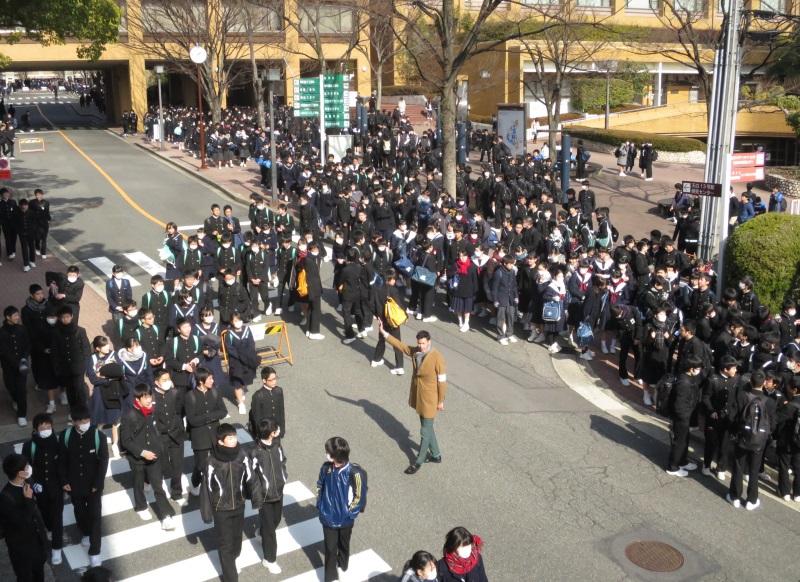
pixel 159 71
pixel 322 118
pixel 272 75
pixel 721 135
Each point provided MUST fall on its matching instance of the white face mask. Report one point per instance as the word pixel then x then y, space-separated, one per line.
pixel 237 325
pixel 137 352
pixel 791 312
pixel 209 319
pixel 226 245
pixel 193 247
pixel 158 288
pixel 27 472
pixel 118 276
pixel 52 320
pixel 166 385
pixel 72 278
pixel 432 575
pixel 464 552
pixel 662 317
pixel 254 248
pixel 230 282
pixel 84 426
pixel 45 433
pixel 133 313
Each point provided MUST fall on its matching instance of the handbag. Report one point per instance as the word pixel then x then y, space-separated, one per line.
pixel 424 276
pixel 404 265
pixel 584 334
pixel 453 282
pixel 551 311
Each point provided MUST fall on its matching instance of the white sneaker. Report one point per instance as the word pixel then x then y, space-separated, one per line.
pixel 181 501
pixel 464 328
pixel 167 524
pixel 242 408
pixel 678 473
pixel 194 490
pixel 707 472
pixel 554 348
pixel 689 467
pixel 44 256
pixel 735 502
pixel 624 381
pixel 26 268
pixel 586 356
pixel 268 310
pixel 430 319
pixel 787 497
pixel 37 252
pixel 51 407
pixel 603 347
pixel 55 557
pixel 32 264
pixel 256 319
pixel 797 498
pixel 316 336
pixel 362 334
pixel 503 341
pixel 22 421
pixel 418 316
pixel 647 399
pixel 410 311
pixel 144 515
pixel 347 340
pixel 278 311
pixel 751 506
pixel 367 330
pixel 513 339
pixel 12 256
pixel 95 561
pixel 85 541
pixel 63 399
pixel 721 475
pixel 272 567
pixel 115 451
pixel 397 371
pixel 376 364
pixel 540 337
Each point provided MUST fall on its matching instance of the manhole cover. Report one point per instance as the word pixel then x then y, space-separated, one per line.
pixel 654 556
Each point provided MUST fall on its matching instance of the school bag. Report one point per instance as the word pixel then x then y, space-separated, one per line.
pixel 585 156
pixel 663 395
pixel 302 283
pixel 67 434
pixel 754 428
pixel 394 314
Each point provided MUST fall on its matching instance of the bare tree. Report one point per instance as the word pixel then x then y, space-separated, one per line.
pixel 557 52
pixel 167 29
pixel 382 47
pixel 439 40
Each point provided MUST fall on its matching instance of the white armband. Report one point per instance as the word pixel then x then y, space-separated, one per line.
pixel 442 377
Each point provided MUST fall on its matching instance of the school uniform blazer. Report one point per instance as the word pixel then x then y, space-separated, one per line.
pixel 428 381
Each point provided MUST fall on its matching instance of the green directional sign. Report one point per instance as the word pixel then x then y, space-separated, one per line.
pixel 306 99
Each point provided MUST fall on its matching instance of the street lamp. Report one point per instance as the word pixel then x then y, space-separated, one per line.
pixel 610 67
pixel 272 75
pixel 159 71
pixel 198 55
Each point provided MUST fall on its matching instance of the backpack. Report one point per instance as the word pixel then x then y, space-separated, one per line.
pixel 358 472
pixel 585 156
pixel 664 394
pixel 67 434
pixel 654 155
pixel 394 314
pixel 302 283
pixel 753 427
pixel 617 153
pixel 591 240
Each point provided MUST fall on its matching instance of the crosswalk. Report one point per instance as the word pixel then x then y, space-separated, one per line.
pixel 137 551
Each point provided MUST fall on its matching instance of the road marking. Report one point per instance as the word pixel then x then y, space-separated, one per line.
pixel 207 567
pixel 105 266
pixel 149 535
pixel 363 566
pixel 123 194
pixel 147 264
pixel 196 226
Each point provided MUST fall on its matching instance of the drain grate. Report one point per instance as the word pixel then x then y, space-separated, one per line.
pixel 654 556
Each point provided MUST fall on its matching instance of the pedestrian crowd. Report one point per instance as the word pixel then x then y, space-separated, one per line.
pixel 508 248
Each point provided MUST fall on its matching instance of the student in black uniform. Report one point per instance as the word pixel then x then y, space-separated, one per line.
pixel 68 292
pixel 381 296
pixel 15 357
pixel 140 438
pixel 267 403
pixel 42 450
pixel 232 299
pixel 21 522
pixel 269 470
pixel 228 479
pixel 69 350
pixel 41 211
pixel 287 259
pixel 683 399
pixel 127 324
pixel 314 282
pixel 169 422
pixel 83 464
pixel 256 268
pixel 204 409
pixel 118 293
pixel 243 361
pixel 157 300
pixel 150 339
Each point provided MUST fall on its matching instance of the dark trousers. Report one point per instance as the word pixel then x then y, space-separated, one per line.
pixel 422 298
pixel 51 506
pixel 580 171
pixel 283 284
pixel 40 240
pixel 270 515
pixel 337 550
pixel 27 243
pixel 349 309
pixel 172 465
pixel 314 313
pixel 648 169
pixel 380 347
pixel 718 445
pixel 229 526
pixel 679 448
pixel 262 290
pixel 10 235
pixel 87 516
pixel 200 462
pixel 788 459
pixel 16 383
pixel 745 463
pixel 625 348
pixel 28 561
pixel 75 388
pixel 152 471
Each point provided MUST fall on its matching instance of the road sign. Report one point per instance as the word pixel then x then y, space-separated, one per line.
pixel 748 159
pixel 5 169
pixel 306 99
pixel 702 189
pixel 748 174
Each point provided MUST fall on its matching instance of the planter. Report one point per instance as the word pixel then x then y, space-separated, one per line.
pixel 790 186
pixel 667 157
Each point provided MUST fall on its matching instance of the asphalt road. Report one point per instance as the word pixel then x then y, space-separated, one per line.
pixel 554 485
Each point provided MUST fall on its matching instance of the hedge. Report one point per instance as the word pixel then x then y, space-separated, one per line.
pixel 589 95
pixel 664 143
pixel 767 248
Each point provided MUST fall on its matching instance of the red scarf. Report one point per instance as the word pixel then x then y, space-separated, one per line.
pixel 145 411
pixel 461 566
pixel 463 267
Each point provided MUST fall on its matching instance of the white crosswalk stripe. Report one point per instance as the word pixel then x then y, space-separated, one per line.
pixel 147 264
pixel 362 566
pixel 105 265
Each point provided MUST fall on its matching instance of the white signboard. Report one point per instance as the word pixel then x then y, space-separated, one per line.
pixel 338 144
pixel 512 128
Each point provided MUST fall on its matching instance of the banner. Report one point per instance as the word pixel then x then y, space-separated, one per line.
pixel 511 127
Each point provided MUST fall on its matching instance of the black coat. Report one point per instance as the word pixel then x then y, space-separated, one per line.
pixel 204 410
pixel 14 345
pixel 44 457
pixel 138 433
pixel 83 460
pixel 265 404
pixel 684 398
pixel 22 526
pixel 69 349
pixel 477 574
pixel 313 279
pixel 169 415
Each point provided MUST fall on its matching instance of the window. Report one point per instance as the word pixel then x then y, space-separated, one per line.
pixel 643 5
pixel 326 19
pixel 689 6
pixel 263 20
pixel 593 3
pixel 165 16
pixel 776 6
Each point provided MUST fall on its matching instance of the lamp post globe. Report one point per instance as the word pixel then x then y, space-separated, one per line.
pixel 198 55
